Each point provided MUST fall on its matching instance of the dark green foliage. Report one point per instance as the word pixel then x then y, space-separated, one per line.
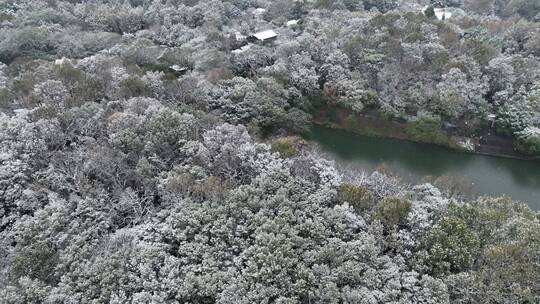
pixel 430 12
pixel 485 7
pixel 484 221
pixel 451 246
pixel 427 129
pixel 287 146
pixel 36 261
pixel 5 99
pixel 357 196
pixel 392 212
pixel 132 87
pixel 531 146
pixel 351 122
pixel 481 45
pixel 382 5
pixel 526 8
pixel 529 141
pixel 296 121
pixel 24 42
pixel 498 262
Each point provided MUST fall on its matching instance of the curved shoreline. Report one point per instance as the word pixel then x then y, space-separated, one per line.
pixel 375 127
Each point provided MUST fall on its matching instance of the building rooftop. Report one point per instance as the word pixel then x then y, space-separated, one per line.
pixel 62 61
pixel 179 68
pixel 291 22
pixel 264 35
pixel 440 13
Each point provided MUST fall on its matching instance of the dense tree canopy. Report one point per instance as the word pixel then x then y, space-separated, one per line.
pixel 135 165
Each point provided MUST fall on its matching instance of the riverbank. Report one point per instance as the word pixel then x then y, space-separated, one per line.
pixel 427 132
pixel 467 174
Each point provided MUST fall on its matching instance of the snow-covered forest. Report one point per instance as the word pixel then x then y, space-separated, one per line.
pixel 148 151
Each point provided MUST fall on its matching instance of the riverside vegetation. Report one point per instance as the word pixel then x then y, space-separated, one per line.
pixel 139 161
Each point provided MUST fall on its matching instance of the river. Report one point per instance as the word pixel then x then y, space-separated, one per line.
pixel 487 175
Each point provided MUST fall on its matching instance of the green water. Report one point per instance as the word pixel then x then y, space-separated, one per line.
pixel 493 176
